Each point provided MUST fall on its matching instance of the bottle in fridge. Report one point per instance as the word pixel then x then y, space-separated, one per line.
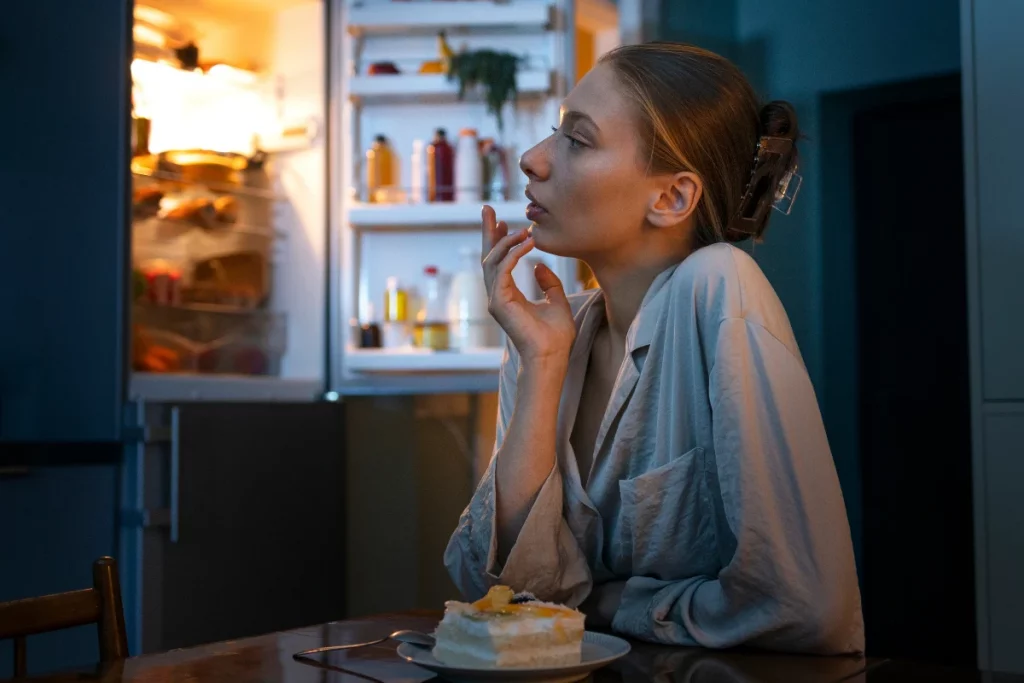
pixel 418 171
pixel 471 325
pixel 431 329
pixel 468 170
pixel 440 168
pixel 396 315
pixel 381 171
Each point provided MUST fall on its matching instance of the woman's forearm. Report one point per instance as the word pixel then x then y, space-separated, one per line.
pixel 527 455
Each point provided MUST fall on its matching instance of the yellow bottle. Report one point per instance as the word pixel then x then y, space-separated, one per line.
pixel 381 169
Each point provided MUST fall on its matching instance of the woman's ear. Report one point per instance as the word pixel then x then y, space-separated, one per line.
pixel 675 200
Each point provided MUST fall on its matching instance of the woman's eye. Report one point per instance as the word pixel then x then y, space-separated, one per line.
pixel 574 143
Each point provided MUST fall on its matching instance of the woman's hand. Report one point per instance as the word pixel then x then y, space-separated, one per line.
pixel 540 331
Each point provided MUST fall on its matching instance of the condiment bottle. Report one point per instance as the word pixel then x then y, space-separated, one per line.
pixel 493 166
pixel 471 325
pixel 468 170
pixel 431 330
pixel 440 169
pixel 381 169
pixel 396 315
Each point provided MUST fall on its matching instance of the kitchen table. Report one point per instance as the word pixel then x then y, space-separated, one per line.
pixel 270 658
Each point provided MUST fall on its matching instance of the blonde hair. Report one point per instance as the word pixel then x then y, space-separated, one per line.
pixel 698 113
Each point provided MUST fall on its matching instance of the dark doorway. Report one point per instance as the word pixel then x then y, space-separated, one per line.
pixel 917 558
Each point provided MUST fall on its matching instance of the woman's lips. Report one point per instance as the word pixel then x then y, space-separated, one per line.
pixel 535 211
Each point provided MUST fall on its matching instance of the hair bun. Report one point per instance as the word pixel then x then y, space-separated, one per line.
pixel 778 119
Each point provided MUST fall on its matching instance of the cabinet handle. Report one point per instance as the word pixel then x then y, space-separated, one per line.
pixel 175 488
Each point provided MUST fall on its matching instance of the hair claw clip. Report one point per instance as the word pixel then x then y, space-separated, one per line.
pixel 786 192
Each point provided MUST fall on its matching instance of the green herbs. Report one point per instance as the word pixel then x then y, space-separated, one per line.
pixel 494 71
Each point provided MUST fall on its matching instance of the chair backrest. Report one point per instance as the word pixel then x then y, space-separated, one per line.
pixel 100 605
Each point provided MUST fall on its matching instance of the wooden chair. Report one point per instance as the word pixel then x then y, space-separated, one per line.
pixel 100 605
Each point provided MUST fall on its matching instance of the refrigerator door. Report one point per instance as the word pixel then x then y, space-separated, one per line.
pixel 63 218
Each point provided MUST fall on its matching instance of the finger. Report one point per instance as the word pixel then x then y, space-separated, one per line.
pixel 550 284
pixel 491 229
pixel 512 258
pixel 501 249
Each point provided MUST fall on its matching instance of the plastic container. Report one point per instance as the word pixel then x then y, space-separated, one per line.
pixel 440 169
pixel 381 170
pixel 468 168
pixel 207 340
pixel 229 265
pixel 470 324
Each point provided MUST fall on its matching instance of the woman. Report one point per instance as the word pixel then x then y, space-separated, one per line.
pixel 660 458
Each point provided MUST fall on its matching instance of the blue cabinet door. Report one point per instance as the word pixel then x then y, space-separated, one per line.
pixel 64 198
pixel 56 522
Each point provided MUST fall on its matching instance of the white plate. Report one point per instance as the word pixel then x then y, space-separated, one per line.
pixel 599 650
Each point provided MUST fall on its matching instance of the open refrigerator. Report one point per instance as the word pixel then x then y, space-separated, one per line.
pixel 260 253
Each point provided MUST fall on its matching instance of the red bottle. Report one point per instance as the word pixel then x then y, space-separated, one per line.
pixel 440 169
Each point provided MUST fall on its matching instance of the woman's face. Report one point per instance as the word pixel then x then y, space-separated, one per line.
pixel 589 193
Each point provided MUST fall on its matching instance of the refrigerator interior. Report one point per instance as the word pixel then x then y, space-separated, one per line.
pixel 259 88
pixel 275 78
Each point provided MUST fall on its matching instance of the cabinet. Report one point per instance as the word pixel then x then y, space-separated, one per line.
pixel 998 110
pixel 63 212
pixel 1004 469
pixel 246 511
pixel 56 522
pixel 993 69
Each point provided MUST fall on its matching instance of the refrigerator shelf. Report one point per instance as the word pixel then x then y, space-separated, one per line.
pixel 226 188
pixel 423 360
pixel 419 87
pixel 432 215
pixel 382 18
pixel 167 388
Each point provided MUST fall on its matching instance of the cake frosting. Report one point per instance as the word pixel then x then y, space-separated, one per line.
pixel 505 630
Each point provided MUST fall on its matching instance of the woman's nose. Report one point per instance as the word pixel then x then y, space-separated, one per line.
pixel 534 162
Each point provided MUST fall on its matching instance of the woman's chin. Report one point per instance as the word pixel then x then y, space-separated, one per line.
pixel 548 241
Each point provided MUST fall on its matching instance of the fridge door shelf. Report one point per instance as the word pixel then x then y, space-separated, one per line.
pixel 427 87
pixel 432 215
pixel 382 18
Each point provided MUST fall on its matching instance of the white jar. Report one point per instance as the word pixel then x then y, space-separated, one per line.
pixel 468 169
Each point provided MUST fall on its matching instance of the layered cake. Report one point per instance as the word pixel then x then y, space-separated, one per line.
pixel 506 630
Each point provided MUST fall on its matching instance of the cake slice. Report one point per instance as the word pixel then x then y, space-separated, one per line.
pixel 500 630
